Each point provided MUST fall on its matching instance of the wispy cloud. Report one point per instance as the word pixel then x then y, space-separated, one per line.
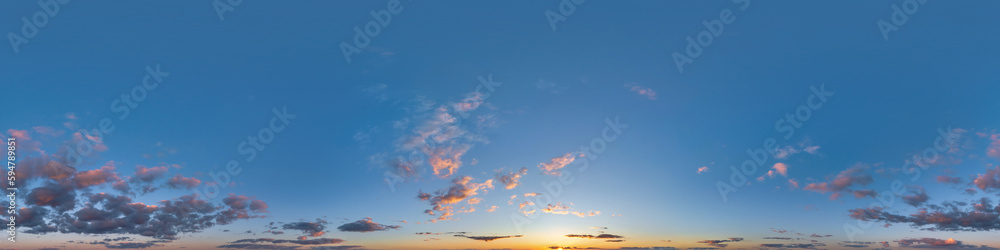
pixel 643 91
pixel 553 166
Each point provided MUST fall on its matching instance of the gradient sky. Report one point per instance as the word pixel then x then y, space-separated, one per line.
pixel 377 142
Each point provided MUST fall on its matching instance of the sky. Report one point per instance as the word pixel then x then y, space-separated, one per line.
pixel 567 124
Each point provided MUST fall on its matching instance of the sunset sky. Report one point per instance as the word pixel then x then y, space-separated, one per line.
pixel 502 125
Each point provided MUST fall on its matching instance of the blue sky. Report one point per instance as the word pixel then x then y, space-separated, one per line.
pixel 655 184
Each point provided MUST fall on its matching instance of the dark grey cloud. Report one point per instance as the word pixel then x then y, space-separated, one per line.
pixel 918 197
pixel 317 241
pixel 489 238
pixel 949 216
pixel 510 180
pixel 60 196
pixel 949 179
pixel 721 243
pixel 788 245
pixel 314 229
pixel 365 225
pixel 990 181
pixel 110 214
pixel 599 236
pixel 935 243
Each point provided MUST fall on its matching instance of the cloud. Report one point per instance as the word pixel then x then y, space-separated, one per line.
pixel 62 200
pixel 400 167
pixel 785 246
pixel 778 168
pixel 144 174
pixel 781 168
pixel 469 103
pixel 95 177
pixel 24 140
pixel 934 243
pixel 918 197
pixel 949 179
pixel 48 131
pixel 461 189
pixel 856 175
pixel 720 243
pixel 599 236
pixel 60 196
pixel 109 214
pixel 643 91
pixel 988 181
pixel 474 201
pixel 929 241
pixel 994 149
pixel 511 179
pixel 378 91
pixel 314 229
pixel 181 182
pixel 858 194
pixel 129 245
pixel 365 225
pixel 559 208
pixel 432 134
pixel 317 241
pixel 949 216
pixel 804 146
pixel 489 238
pixel 777 238
pixel 702 170
pixel 96 142
pixel 550 87
pixel 554 165
pixel 440 135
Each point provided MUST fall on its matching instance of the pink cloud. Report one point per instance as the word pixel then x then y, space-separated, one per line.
pixel 793 183
pixel 643 91
pixel 554 165
pixel 47 131
pixel 781 168
pixel 994 149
